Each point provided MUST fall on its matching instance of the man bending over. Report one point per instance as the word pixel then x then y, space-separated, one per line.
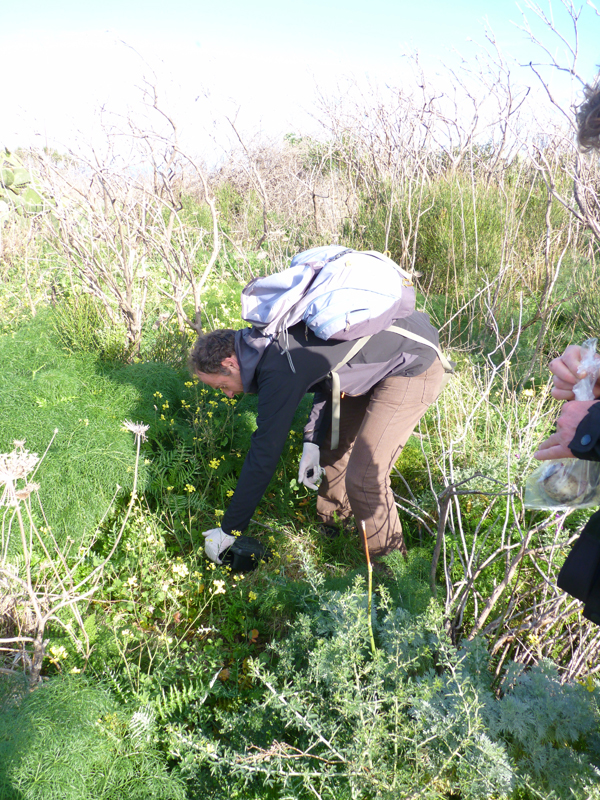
pixel 386 388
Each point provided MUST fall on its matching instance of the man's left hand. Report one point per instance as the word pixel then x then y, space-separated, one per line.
pixel 557 445
pixel 309 471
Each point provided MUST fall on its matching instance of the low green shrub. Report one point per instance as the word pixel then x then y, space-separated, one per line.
pixel 70 400
pixel 420 718
pixel 70 739
pixel 81 326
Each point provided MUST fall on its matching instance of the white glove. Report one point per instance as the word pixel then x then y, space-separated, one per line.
pixel 310 471
pixel 217 541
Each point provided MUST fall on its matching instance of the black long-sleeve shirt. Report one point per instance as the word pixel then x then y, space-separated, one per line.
pixel 280 391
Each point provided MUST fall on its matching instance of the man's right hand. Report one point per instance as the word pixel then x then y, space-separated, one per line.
pixel 565 373
pixel 216 542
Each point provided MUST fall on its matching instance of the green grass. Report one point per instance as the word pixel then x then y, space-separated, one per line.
pixel 46 389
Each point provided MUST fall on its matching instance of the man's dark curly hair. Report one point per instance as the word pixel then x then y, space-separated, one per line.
pixel 210 350
pixel 588 119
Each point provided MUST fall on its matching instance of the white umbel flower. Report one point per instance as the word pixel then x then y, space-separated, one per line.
pixel 15 466
pixel 136 428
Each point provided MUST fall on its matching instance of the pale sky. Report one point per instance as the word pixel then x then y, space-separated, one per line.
pixel 260 60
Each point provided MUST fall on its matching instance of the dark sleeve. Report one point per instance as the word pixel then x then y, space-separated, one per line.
pixel 277 403
pixel 319 419
pixel 586 442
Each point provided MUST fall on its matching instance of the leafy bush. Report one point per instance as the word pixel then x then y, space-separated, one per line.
pixel 81 327
pixel 18 189
pixel 551 729
pixel 418 719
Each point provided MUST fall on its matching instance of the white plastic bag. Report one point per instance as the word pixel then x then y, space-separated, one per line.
pixel 569 482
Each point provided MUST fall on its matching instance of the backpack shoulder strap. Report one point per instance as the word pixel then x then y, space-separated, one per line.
pixel 335 391
pixel 358 345
pixel 448 365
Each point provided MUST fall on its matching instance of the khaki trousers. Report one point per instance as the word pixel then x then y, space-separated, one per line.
pixel 373 430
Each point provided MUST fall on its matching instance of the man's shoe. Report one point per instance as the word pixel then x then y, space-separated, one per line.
pixel 329 531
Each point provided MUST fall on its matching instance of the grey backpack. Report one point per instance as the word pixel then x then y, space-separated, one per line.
pixel 338 293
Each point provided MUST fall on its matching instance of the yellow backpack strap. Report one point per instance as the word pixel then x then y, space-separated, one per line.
pixel 335 391
pixel 358 345
pixel 448 366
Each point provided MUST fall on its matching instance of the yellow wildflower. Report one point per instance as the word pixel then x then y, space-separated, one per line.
pixel 58 652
